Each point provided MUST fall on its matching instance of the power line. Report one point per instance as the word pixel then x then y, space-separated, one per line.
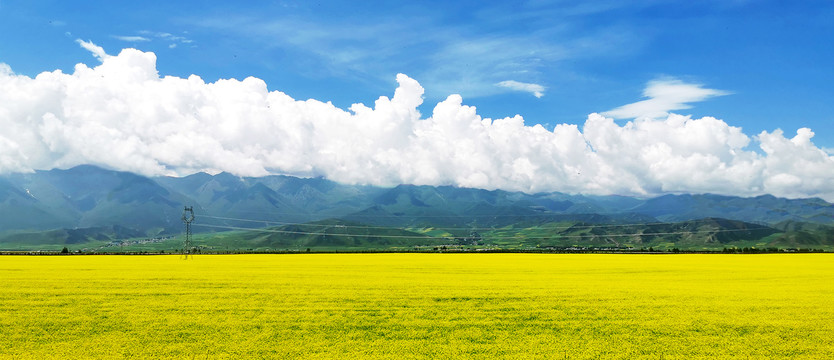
pixel 312 233
pixel 487 237
pixel 469 228
pixel 368 206
pixel 424 216
pixel 313 224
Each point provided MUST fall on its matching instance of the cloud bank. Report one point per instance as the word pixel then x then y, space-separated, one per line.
pixel 122 114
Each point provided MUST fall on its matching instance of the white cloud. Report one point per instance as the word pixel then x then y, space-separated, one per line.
pixel 123 115
pixel 535 89
pixel 664 95
pixel 132 38
pixel 165 36
pixel 96 50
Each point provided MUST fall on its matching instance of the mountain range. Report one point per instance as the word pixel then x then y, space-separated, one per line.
pixel 89 202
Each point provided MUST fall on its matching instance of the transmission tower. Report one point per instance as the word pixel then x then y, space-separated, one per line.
pixel 187 218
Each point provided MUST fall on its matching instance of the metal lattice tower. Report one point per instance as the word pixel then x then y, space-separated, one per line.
pixel 187 218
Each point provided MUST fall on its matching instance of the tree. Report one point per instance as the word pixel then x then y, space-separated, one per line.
pixel 65 250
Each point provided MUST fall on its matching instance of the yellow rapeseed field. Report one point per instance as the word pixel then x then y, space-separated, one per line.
pixel 418 306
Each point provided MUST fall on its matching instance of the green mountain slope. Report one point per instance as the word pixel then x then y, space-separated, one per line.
pixel 89 197
pixel 54 239
pixel 332 234
pixel 762 209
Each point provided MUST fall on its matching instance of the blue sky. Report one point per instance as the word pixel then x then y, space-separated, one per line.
pixel 761 68
pixel 591 56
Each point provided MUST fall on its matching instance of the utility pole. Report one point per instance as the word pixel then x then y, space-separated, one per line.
pixel 187 218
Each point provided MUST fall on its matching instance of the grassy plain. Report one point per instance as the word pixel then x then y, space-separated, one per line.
pixel 414 306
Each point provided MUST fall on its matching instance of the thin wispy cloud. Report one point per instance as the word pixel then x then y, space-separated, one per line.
pixel 448 58
pixel 96 50
pixel 664 96
pixel 535 89
pixel 473 65
pixel 171 37
pixel 148 35
pixel 131 38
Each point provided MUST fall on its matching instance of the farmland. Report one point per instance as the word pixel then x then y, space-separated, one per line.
pixel 411 306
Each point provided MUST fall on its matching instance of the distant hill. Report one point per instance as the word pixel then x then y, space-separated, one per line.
pixel 803 234
pixel 20 209
pixel 766 209
pixel 270 198
pixel 703 233
pixel 89 197
pixel 332 234
pixel 711 234
pixel 70 236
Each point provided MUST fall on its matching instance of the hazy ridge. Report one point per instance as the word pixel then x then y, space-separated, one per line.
pixel 88 203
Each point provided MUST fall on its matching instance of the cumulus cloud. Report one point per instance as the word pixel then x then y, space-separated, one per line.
pixel 664 95
pixel 535 89
pixel 122 114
